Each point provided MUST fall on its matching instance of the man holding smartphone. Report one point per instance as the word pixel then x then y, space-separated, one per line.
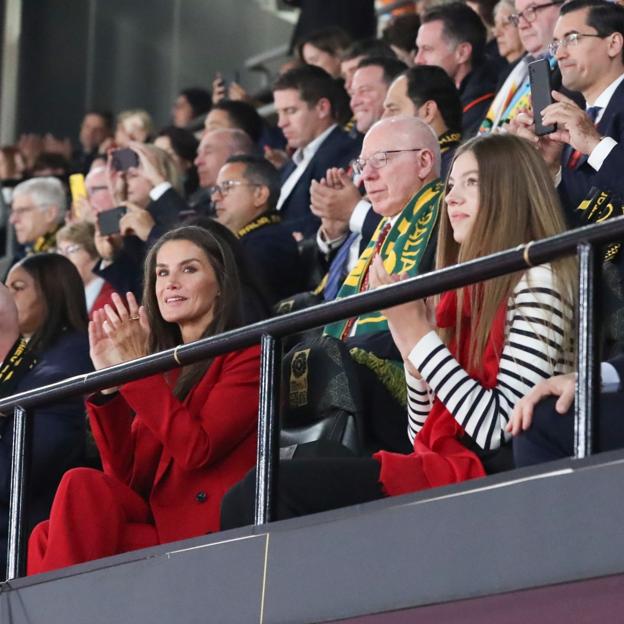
pixel 587 145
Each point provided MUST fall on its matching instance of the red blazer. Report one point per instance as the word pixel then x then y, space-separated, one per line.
pixel 183 457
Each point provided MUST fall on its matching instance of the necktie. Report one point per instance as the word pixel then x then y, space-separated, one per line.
pixel 338 269
pixel 574 156
pixel 364 283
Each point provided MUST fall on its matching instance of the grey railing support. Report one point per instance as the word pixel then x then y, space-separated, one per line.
pixel 268 428
pixel 588 380
pixel 18 503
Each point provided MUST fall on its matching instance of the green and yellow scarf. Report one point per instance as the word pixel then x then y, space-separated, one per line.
pixel 401 252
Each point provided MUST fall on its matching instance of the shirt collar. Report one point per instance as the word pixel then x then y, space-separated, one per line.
pixel 602 101
pixel 307 152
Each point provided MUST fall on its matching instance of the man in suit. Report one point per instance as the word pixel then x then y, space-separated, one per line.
pixel 245 197
pixel 336 199
pixel 427 92
pixel 305 102
pixel 453 37
pixel 587 145
pixel 544 427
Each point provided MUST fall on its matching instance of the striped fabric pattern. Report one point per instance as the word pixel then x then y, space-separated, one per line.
pixel 534 350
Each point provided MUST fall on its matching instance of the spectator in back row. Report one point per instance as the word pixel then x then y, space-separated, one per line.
pixel 214 149
pixel 587 146
pixel 182 146
pixel 305 103
pixel 427 92
pixel 133 125
pixel 357 52
pixel 324 49
pixel 346 218
pixel 37 212
pixel 95 130
pixel 401 34
pixel 245 197
pixel 452 36
pixel 535 22
pixel 190 104
pixel 76 242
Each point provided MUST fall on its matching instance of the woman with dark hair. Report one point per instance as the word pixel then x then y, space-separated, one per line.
pixel 190 104
pixel 171 444
pixel 50 334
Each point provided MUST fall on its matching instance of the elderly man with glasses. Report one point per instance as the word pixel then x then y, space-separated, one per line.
pixel 535 21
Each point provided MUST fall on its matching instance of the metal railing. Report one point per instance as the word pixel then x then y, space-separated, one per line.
pixel 583 241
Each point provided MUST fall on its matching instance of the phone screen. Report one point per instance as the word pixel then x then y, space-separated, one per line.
pixel 541 97
pixel 108 220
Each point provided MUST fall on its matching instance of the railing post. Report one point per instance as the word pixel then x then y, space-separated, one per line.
pixel 20 465
pixel 268 428
pixel 588 380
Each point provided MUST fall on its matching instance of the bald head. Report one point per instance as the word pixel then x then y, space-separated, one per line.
pixel 401 155
pixel 9 326
pixel 215 148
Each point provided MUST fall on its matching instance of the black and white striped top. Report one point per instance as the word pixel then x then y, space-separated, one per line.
pixel 533 351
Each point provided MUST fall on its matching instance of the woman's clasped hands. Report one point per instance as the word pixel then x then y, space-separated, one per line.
pixel 118 333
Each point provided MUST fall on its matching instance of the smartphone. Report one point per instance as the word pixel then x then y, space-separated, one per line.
pixel 123 159
pixel 541 97
pixel 108 220
pixel 78 190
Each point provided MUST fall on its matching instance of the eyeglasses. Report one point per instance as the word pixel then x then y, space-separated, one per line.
pixel 72 248
pixel 378 159
pixel 570 40
pixel 530 13
pixel 225 187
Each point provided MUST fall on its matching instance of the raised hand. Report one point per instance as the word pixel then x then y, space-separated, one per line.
pixel 408 322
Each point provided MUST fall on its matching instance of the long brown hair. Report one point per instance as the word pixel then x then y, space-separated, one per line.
pixel 517 204
pixel 227 307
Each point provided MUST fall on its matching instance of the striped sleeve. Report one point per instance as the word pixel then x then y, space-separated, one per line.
pixel 536 317
pixel 419 401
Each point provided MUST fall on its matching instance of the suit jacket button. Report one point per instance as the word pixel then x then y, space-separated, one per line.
pixel 201 496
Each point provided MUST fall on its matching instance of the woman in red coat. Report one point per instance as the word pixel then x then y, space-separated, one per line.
pixel 171 444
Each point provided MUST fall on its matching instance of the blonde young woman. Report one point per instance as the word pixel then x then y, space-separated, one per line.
pixel 466 367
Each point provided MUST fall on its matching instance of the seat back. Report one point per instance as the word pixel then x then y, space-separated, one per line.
pixel 321 396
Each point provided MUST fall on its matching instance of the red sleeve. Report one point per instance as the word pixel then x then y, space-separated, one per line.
pixel 219 413
pixel 111 424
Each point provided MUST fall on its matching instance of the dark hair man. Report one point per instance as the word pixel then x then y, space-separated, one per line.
pixel 453 37
pixel 427 92
pixel 245 197
pixel 305 102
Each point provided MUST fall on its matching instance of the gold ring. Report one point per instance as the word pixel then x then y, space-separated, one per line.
pixel 525 254
pixel 175 355
pixel 135 318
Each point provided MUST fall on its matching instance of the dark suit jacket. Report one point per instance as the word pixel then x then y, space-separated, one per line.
pixel 273 253
pixel 337 150
pixel 182 456
pixel 476 93
pixel 576 183
pixel 58 432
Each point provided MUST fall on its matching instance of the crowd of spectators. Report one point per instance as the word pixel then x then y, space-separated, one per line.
pixel 385 158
